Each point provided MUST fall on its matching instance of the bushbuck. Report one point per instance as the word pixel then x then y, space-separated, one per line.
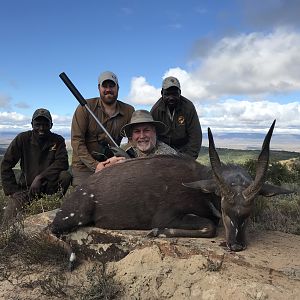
pixel 171 196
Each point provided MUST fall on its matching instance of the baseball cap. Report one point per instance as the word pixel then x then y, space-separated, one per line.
pixel 107 75
pixel 42 112
pixel 170 82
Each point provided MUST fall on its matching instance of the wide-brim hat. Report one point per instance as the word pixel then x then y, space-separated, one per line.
pixel 139 117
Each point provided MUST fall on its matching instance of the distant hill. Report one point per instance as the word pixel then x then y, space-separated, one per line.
pixel 2 151
pixel 240 156
pixel 232 140
pixel 226 155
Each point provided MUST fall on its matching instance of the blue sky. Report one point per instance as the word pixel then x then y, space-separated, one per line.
pixel 238 61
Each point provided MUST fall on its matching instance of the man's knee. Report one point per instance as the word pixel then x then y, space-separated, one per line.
pixel 16 203
pixel 60 185
pixel 65 179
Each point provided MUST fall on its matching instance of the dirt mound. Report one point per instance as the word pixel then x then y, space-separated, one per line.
pixel 177 268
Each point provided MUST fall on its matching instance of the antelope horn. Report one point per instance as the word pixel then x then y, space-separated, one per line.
pixel 216 168
pixel 261 168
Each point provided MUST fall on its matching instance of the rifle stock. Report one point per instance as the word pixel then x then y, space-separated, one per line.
pixel 63 76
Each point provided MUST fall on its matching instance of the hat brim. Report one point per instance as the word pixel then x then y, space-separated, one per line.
pixel 159 126
pixel 42 116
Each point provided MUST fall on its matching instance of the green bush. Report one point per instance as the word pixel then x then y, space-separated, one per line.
pixel 277 172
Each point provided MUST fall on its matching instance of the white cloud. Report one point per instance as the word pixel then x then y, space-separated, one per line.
pixel 141 92
pixel 254 65
pixel 13 118
pixel 192 86
pixel 13 122
pixel 247 116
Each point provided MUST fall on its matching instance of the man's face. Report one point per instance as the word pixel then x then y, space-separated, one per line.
pixel 143 137
pixel 108 92
pixel 41 127
pixel 171 96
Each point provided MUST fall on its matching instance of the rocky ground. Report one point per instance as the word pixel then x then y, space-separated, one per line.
pixel 160 268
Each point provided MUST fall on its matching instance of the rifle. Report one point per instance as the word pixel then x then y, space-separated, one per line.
pixel 116 149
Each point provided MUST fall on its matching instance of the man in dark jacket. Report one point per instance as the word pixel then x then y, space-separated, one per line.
pixel 43 161
pixel 179 114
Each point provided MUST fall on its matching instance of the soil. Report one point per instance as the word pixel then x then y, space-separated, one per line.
pixel 177 268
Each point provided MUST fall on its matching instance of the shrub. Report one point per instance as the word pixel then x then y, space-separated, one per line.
pixel 101 285
pixel 45 203
pixel 281 212
pixel 277 173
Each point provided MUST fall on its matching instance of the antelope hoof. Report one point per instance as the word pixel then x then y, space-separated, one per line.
pixel 237 247
pixel 153 233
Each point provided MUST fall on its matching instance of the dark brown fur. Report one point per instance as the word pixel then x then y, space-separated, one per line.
pixel 143 193
pixel 148 193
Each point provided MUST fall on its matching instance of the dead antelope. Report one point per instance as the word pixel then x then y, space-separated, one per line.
pixel 147 193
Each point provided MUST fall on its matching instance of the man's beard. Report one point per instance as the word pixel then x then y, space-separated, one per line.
pixel 109 99
pixel 146 147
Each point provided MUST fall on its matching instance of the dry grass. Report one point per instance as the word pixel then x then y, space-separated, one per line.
pixel 281 213
pixel 23 256
pixel 34 263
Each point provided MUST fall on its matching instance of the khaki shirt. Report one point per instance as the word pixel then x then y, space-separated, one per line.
pixel 86 134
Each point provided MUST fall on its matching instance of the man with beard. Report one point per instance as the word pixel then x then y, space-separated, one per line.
pixel 179 114
pixel 91 146
pixel 43 161
pixel 142 133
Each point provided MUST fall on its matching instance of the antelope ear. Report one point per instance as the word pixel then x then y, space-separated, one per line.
pixel 206 186
pixel 269 190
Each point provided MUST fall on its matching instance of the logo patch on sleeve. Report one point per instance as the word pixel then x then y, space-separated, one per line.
pixel 181 120
pixel 53 148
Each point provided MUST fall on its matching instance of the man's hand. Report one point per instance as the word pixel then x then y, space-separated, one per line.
pixel 109 162
pixel 36 185
pixel 119 152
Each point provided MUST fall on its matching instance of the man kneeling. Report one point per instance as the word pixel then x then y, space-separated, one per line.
pixel 44 165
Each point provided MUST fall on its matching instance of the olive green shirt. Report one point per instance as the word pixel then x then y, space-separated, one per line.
pixel 87 136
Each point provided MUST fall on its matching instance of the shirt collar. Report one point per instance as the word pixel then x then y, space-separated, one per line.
pixel 119 109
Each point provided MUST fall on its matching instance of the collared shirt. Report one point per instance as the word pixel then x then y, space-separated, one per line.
pixel 183 129
pixel 47 160
pixel 160 148
pixel 87 136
